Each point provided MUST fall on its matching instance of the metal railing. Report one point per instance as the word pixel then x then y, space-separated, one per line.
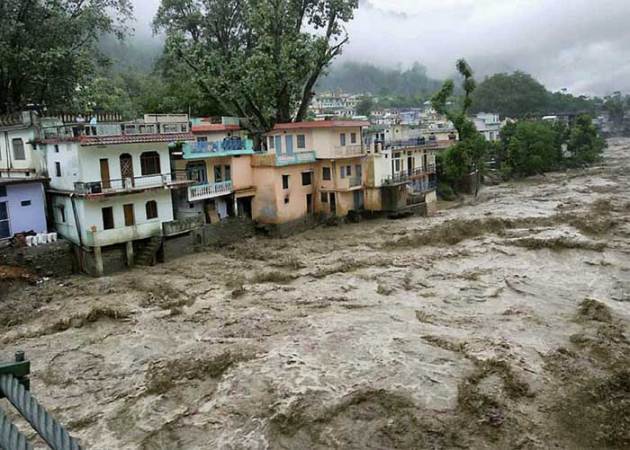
pixel 129 184
pixel 229 145
pixel 15 385
pixel 404 177
pixel 209 190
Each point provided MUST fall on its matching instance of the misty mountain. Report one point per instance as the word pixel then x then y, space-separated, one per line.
pixel 360 78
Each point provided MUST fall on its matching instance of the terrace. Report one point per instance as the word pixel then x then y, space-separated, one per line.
pixel 285 159
pixel 131 185
pixel 408 176
pixel 113 133
pixel 228 147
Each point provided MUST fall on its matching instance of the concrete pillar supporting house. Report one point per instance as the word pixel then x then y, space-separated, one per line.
pixel 235 206
pixel 98 261
pixel 129 253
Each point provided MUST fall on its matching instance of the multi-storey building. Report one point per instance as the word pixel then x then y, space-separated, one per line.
pixel 402 176
pixel 22 176
pixel 310 168
pixel 110 186
pixel 489 125
pixel 218 162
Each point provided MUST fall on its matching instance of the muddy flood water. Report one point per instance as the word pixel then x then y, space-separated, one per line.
pixel 501 323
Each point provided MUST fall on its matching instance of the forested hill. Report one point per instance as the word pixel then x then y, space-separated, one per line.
pixel 358 78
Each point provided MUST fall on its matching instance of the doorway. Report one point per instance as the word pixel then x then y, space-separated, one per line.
pixel 309 203
pixel 410 164
pixel 5 229
pixel 105 180
pixel 358 200
pixel 425 162
pixel 126 170
pixel 333 203
pixel 130 219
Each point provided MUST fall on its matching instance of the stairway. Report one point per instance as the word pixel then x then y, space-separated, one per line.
pixel 147 255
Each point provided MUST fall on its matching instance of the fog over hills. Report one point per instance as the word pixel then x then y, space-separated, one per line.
pixel 583 46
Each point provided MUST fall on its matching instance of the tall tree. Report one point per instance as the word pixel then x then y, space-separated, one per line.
pixel 48 48
pixel 258 59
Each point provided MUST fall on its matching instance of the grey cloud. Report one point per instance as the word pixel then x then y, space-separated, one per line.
pixel 582 45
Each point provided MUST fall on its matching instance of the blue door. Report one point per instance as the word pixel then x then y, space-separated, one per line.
pixel 278 140
pixel 289 141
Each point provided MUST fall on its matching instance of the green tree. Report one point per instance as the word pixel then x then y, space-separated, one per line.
pixel 511 95
pixel 615 107
pixel 258 59
pixel 48 48
pixel 365 106
pixel 531 147
pixel 585 145
pixel 470 152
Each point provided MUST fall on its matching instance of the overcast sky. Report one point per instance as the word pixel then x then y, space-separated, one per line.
pixel 582 45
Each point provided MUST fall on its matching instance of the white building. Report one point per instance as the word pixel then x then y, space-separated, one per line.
pixel 489 125
pixel 110 185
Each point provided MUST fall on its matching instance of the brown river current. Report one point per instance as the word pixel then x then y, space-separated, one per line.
pixel 502 323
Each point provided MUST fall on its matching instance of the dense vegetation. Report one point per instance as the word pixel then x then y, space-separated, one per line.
pixel 48 49
pixel 535 147
pixel 257 59
pixel 392 86
pixel 469 153
pixel 519 95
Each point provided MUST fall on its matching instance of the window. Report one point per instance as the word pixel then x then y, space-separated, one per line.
pixel 56 148
pixel 307 178
pixel 57 169
pixel 343 172
pixel 202 139
pixel 271 142
pixel 228 173
pixel 130 219
pixel 301 141
pixel 150 163
pixel 358 170
pixel 324 197
pixel 108 218
pixel 342 139
pixel 18 149
pixel 62 214
pixel 3 191
pixel 25 203
pixel 285 181
pixel 286 200
pixel 349 171
pixel 326 175
pixel 152 210
pixel 353 138
pixel 218 174
pixel 5 229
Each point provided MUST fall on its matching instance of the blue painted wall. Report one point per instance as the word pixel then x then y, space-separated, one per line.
pixel 28 217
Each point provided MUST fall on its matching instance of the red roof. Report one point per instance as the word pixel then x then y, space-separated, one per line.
pixel 135 139
pixel 214 127
pixel 322 124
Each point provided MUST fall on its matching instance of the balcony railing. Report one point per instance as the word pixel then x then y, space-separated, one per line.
pixel 209 190
pixel 295 158
pixel 421 186
pixel 404 177
pixel 415 143
pixel 226 147
pixel 112 129
pixel 355 182
pixel 130 184
pixel 350 150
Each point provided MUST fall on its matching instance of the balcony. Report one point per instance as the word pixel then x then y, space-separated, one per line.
pixel 423 186
pixel 216 149
pixel 130 185
pixel 182 226
pixel 121 235
pixel 347 151
pixel 105 131
pixel 406 177
pixel 209 190
pixel 273 160
pixel 419 143
pixel 355 182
